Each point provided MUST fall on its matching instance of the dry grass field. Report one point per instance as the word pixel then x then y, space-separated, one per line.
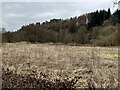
pixel 48 65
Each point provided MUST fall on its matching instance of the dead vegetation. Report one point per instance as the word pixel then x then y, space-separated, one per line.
pixel 58 66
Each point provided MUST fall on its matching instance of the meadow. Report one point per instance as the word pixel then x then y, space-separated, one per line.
pixel 26 65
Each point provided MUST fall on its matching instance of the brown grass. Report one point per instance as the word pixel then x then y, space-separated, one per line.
pixel 88 67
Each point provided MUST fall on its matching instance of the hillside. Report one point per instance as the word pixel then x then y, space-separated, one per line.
pixel 97 28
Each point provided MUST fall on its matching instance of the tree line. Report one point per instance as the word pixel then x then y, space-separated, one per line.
pixel 101 29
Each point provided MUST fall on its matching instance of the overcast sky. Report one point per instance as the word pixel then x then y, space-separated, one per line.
pixel 16 14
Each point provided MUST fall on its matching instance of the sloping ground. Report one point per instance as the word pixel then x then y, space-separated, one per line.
pixel 45 66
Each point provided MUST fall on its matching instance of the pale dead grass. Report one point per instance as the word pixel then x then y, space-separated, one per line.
pixel 61 61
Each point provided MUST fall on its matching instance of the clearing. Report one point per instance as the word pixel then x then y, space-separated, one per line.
pixel 85 66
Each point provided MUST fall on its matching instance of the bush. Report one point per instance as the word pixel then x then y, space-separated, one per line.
pixel 108 40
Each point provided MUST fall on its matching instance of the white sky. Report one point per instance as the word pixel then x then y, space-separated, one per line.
pixel 15 14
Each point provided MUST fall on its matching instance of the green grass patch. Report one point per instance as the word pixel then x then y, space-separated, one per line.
pixel 114 53
pixel 115 58
pixel 111 52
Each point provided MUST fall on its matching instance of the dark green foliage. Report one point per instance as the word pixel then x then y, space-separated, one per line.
pixel 97 18
pixel 108 14
pixel 72 26
pixel 37 23
pixel 7 37
pixel 116 16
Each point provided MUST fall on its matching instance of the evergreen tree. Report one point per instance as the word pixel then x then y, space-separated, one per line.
pixel 72 26
pixel 109 13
